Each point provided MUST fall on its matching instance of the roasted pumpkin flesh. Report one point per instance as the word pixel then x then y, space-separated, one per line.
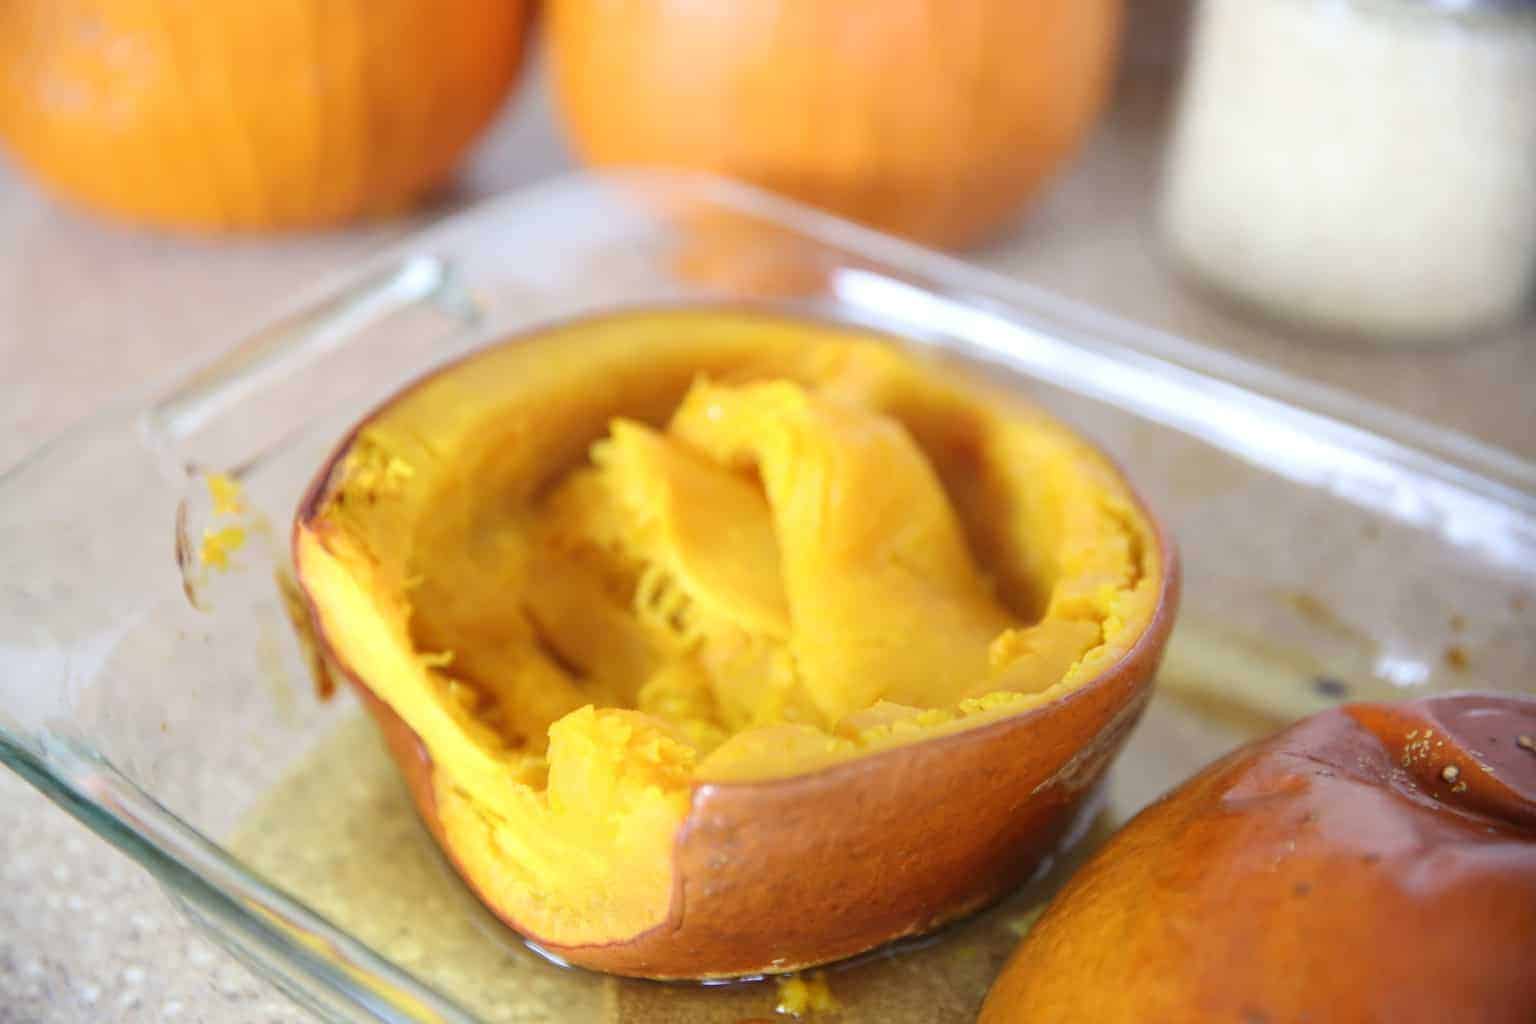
pixel 594 569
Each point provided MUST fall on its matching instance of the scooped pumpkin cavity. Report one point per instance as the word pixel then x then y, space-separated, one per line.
pixel 592 582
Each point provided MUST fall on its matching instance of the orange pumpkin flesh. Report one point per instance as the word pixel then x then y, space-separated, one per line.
pixel 931 120
pixel 1373 863
pixel 271 115
pixel 714 643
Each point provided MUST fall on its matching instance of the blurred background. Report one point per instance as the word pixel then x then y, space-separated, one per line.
pixel 1343 189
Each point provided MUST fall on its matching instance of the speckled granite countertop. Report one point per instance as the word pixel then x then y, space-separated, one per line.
pixel 85 936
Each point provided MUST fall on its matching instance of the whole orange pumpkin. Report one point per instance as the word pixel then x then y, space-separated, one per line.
pixel 232 114
pixel 937 121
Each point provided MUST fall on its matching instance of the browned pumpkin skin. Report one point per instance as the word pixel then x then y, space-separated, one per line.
pixel 762 866
pixel 888 846
pixel 1339 872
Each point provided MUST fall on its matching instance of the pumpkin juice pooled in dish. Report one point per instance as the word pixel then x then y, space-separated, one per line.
pixel 714 643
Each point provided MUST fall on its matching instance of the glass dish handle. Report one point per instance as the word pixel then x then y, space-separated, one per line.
pixel 286 345
pixel 75 571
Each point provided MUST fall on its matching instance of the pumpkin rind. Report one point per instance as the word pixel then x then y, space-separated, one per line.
pixel 775 873
pixel 1375 862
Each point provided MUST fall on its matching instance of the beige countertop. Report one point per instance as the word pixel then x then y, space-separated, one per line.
pixel 88 312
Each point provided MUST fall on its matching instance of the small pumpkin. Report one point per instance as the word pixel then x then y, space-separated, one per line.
pixel 716 643
pixel 932 120
pixel 1375 862
pixel 251 116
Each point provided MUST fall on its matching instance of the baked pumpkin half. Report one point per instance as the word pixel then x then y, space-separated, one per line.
pixel 1375 862
pixel 713 642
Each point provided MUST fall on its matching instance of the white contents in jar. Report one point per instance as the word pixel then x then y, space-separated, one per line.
pixel 1365 166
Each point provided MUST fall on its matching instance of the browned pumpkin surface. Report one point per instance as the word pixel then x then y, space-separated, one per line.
pixel 1373 863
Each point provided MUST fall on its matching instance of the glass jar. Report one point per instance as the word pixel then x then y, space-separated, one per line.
pixel 1360 166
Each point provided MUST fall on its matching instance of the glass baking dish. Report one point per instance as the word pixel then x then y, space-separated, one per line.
pixel 1332 551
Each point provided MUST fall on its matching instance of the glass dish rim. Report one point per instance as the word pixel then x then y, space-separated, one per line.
pixel 340 977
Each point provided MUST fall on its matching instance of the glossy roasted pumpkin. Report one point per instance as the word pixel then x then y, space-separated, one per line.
pixel 264 115
pixel 716 643
pixel 932 120
pixel 1375 862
